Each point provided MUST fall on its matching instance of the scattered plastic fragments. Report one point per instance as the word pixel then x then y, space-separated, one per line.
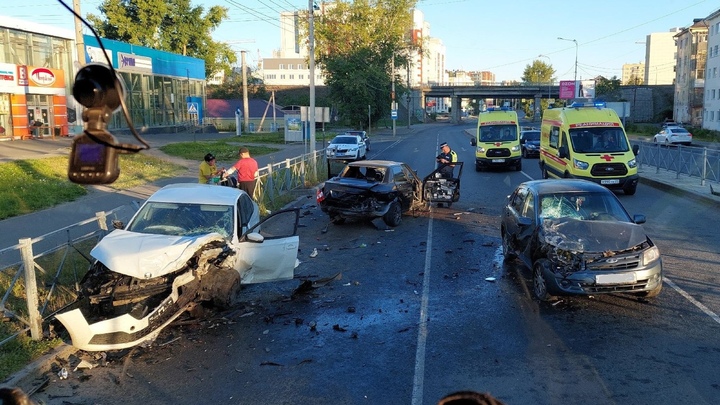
pixel 314 253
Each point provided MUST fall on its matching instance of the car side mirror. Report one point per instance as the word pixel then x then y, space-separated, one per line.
pixel 563 152
pixel 636 149
pixel 639 218
pixel 473 141
pixel 524 221
pixel 117 224
pixel 254 237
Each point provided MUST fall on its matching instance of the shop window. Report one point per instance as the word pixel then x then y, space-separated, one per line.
pixel 41 50
pixel 18 48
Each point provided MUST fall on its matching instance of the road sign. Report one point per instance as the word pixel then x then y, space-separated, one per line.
pixel 393 114
pixel 192 108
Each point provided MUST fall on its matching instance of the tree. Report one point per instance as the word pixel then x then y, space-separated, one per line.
pixel 608 89
pixel 357 44
pixel 168 25
pixel 538 72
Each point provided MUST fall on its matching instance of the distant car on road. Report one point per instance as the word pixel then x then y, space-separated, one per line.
pixel 188 244
pixel 530 142
pixel 347 147
pixel 577 239
pixel 363 135
pixel 673 136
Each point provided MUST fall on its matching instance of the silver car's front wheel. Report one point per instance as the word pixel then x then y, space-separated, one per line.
pixel 539 283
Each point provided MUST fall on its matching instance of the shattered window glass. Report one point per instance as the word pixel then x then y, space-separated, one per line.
pixel 183 219
pixel 583 206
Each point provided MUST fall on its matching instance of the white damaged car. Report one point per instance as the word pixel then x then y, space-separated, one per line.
pixel 187 244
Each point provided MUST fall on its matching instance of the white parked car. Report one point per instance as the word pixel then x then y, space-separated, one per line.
pixel 673 136
pixel 347 147
pixel 188 243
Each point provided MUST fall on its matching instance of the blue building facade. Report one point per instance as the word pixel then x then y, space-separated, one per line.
pixel 162 88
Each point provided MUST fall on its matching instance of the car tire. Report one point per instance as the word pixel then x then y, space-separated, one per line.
pixel 539 283
pixel 508 254
pixel 524 153
pixel 478 168
pixel 630 190
pixel 518 166
pixel 393 216
pixel 543 172
pixel 652 293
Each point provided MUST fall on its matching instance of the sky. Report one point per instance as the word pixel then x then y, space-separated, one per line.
pixel 503 37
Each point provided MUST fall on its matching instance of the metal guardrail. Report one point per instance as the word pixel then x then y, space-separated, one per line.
pixel 30 288
pixel 703 163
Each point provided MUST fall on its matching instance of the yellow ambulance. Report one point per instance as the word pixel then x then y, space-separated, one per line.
pixel 587 141
pixel 497 141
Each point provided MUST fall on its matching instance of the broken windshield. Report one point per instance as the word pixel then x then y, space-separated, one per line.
pixel 180 219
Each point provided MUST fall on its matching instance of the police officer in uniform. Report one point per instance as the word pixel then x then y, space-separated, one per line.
pixel 446 158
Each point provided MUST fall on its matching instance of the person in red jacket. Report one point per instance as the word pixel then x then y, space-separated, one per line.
pixel 246 168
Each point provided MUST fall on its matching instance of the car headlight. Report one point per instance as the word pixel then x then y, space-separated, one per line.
pixel 353 149
pixel 579 164
pixel 515 148
pixel 632 163
pixel 650 255
pixel 480 149
pixel 527 145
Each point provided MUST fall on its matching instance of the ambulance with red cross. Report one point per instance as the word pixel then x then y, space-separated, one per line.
pixel 497 141
pixel 587 141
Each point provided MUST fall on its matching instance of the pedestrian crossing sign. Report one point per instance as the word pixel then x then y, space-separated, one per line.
pixel 192 108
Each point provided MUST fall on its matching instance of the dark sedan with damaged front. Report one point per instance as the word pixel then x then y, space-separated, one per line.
pixel 371 189
pixel 578 239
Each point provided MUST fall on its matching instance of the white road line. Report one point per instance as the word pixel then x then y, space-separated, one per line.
pixel 692 300
pixel 419 377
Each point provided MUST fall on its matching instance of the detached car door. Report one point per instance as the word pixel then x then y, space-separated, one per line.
pixel 268 250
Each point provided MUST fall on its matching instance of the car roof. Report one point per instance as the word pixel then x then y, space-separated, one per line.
pixel 194 193
pixel 550 186
pixel 374 163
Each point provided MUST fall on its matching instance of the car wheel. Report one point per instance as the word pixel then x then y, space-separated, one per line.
pixel 524 153
pixel 394 215
pixel 508 254
pixel 518 166
pixel 652 293
pixel 478 168
pixel 539 283
pixel 543 172
pixel 630 190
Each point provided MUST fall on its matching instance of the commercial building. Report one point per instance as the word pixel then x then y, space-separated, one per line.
pixel 36 62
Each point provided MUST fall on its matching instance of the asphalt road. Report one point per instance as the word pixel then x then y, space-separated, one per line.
pixel 413 313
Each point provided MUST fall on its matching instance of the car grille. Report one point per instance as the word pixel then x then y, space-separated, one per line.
pixel 500 152
pixel 609 169
pixel 640 285
pixel 615 263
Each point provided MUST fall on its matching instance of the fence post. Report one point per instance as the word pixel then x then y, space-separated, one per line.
pixel 31 293
pixel 704 168
pixel 102 220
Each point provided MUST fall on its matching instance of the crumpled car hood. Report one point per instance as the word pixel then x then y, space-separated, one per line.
pixel 144 256
pixel 591 236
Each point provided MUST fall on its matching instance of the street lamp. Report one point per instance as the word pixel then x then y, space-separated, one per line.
pixel 576 54
pixel 550 79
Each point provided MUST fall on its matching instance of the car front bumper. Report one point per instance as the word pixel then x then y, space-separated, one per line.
pixel 605 282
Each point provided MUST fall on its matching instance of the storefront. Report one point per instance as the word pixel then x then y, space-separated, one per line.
pixel 33 84
pixel 162 88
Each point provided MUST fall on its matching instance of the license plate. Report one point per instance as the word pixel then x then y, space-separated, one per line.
pixel 624 278
pixel 610 181
pixel 498 160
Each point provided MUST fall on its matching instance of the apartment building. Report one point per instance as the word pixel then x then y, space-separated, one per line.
pixel 690 73
pixel 633 73
pixel 711 102
pixel 660 57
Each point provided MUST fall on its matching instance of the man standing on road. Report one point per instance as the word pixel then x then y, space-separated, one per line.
pixel 246 168
pixel 446 157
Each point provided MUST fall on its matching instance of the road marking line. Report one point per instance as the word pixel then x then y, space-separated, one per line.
pixel 418 379
pixel 692 300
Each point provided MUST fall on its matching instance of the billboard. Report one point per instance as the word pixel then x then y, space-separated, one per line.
pixel 567 89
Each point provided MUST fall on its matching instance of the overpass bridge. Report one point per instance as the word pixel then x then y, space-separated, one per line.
pixel 456 93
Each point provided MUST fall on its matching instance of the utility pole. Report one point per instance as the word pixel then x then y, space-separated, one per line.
pixel 576 56
pixel 311 113
pixel 246 113
pixel 409 96
pixel 79 41
pixel 392 91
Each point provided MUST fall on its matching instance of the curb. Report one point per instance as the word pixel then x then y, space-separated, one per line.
pixel 31 375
